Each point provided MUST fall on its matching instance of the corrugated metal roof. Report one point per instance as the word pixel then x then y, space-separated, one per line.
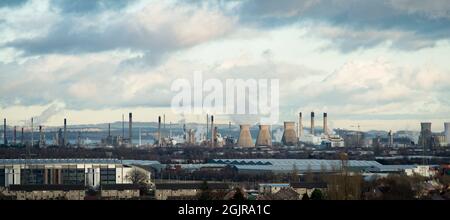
pixel 288 164
pixel 60 161
pixel 140 162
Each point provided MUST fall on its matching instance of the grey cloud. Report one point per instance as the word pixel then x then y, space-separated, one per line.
pixel 424 26
pixel 12 3
pixel 89 6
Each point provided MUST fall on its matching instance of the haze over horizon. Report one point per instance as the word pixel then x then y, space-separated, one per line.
pixel 380 64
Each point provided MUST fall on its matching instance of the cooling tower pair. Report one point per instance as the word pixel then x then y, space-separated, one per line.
pixel 245 138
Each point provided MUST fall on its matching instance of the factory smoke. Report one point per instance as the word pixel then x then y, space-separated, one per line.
pixel 49 112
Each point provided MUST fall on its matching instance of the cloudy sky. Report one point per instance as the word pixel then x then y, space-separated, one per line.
pixel 382 64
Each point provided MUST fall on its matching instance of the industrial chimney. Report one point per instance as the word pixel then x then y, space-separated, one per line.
pixel 22 137
pixel 130 128
pixel 159 130
pixel 312 123
pixel 14 136
pixel 41 137
pixel 5 141
pixel 65 133
pixel 245 138
pixel 289 136
pixel 447 132
pixel 213 144
pixel 123 126
pixel 300 125
pixel 32 133
pixel 264 138
pixel 207 127
pixel 109 129
pixel 325 123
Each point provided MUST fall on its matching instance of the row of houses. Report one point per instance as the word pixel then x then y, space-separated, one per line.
pixel 69 192
pixel 265 191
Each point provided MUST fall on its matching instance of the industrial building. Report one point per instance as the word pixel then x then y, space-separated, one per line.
pixel 287 165
pixel 183 191
pixel 87 172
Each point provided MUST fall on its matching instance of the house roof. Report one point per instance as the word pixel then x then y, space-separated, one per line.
pixel 175 186
pixel 286 194
pixel 46 187
pixel 119 186
pixel 320 185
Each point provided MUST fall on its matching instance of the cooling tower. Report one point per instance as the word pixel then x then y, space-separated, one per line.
pixel 312 123
pixel 447 132
pixel 425 134
pixel 325 123
pixel 264 138
pixel 289 135
pixel 245 138
pixel 65 133
pixel 5 141
pixel 300 125
pixel 130 128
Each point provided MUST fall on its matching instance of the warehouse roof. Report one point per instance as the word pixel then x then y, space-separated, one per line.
pixel 289 164
pixel 175 186
pixel 60 161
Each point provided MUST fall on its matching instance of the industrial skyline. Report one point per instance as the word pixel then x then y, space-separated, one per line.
pixel 390 75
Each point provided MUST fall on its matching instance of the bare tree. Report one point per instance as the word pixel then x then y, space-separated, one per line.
pixel 137 176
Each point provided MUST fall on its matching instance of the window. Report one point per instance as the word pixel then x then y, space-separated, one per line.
pixel 107 176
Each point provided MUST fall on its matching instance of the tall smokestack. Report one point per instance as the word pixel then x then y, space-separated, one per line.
pixel 245 137
pixel 184 132
pixel 14 136
pixel 123 126
pixel 41 137
pixel 300 125
pixel 32 133
pixel 207 126
pixel 325 123
pixel 109 129
pixel 130 128
pixel 212 131
pixel 140 137
pixel 264 138
pixel 5 141
pixel 22 137
pixel 65 133
pixel 312 123
pixel 159 130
